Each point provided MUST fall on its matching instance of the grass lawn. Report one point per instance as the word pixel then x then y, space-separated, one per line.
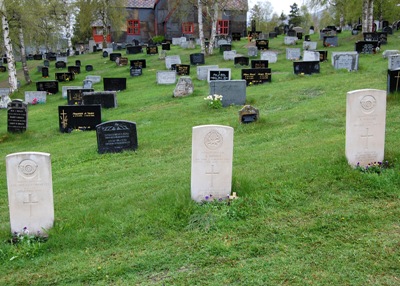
pixel 303 217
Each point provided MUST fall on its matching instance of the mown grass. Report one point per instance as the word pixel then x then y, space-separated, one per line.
pixel 304 217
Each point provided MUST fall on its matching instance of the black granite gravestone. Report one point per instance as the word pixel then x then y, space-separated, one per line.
pixel 323 56
pixel 306 67
pixel 182 69
pixel 197 59
pixel 89 68
pixel 138 63
pixel 114 84
pixel 262 44
pixel 224 48
pixel 46 63
pixel 45 72
pixel 38 57
pixel 3 69
pixel 218 74
pixel 107 99
pixel 17 116
pixel 256 76
pixel 366 47
pixel 393 81
pixel 64 76
pixel 61 65
pixel 116 136
pixel 79 117
pixel 166 46
pixel 259 64
pixel 134 50
pixel 135 71
pixel 75 96
pixel 50 86
pixel 74 69
pixel 78 63
pixel 241 61
pixel 152 50
pixel 114 56
pixel 236 36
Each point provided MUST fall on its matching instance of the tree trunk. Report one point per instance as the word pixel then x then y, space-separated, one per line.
pixel 368 15
pixel 12 72
pixel 214 20
pixel 201 30
pixel 23 54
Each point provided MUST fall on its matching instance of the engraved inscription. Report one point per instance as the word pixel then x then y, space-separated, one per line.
pixel 213 140
pixel 368 104
pixel 27 167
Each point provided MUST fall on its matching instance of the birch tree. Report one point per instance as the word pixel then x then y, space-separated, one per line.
pixel 368 15
pixel 12 71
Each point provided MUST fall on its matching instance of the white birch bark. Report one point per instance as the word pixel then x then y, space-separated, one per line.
pixel 214 20
pixel 368 14
pixel 201 29
pixel 23 54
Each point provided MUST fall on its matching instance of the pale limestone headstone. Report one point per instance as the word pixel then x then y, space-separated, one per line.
pixel 229 55
pixel 202 71
pixel 166 77
pixel 365 126
pixel 290 40
pixel 30 192
pixel 35 97
pixel 311 46
pixel 172 60
pixel 394 62
pixel 212 153
pixel 310 56
pixel 293 54
pixel 271 57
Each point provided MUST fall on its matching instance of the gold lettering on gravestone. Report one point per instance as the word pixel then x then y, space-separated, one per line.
pixel 64 119
pixel 77 114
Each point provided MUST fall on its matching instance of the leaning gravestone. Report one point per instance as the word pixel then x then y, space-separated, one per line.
pixel 116 136
pixel 35 97
pixel 30 192
pixel 166 77
pixel 233 91
pixel 212 153
pixel 184 87
pixel 365 126
pixel 202 71
pixel 17 116
pixel 345 60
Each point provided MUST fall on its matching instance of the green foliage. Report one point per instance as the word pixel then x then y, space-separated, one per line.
pixel 214 101
pixel 303 216
pixel 158 39
pixel 373 167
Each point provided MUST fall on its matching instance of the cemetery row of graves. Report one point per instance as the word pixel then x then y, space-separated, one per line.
pixel 236 76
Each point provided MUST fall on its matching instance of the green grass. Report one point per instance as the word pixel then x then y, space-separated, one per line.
pixel 303 217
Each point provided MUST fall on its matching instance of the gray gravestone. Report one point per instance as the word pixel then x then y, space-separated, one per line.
pixel 271 57
pixel 252 51
pixel 310 56
pixel 229 55
pixel 293 54
pixel 233 91
pixel 202 71
pixel 311 46
pixel 94 78
pixel 345 60
pixel 166 77
pixel 394 62
pixel 290 41
pixel 35 97
pixel 184 87
pixel 171 60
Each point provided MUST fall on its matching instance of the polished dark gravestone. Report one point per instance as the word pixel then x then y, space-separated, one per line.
pixel 138 63
pixel 74 69
pixel 135 71
pixel 50 86
pixel 79 117
pixel 393 81
pixel 256 76
pixel 306 67
pixel 116 136
pixel 64 76
pixel 114 84
pixel 197 59
pixel 75 96
pixel 134 50
pixel 107 99
pixel 17 116
pixel 259 64
pixel 152 50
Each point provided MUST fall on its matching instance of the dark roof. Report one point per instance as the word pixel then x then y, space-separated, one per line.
pixel 141 3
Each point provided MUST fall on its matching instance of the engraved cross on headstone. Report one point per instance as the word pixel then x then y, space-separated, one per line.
pixel 212 173
pixel 366 136
pixel 30 202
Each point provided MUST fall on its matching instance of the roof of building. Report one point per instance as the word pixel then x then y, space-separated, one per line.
pixel 241 5
pixel 141 3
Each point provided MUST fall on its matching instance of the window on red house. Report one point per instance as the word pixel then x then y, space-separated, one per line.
pixel 188 28
pixel 223 27
pixel 133 27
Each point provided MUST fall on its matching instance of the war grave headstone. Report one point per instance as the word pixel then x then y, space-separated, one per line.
pixel 182 69
pixel 152 50
pixel 75 96
pixel 252 51
pixel 79 117
pixel 132 50
pixel 233 91
pixel 114 56
pixel 197 59
pixel 388 53
pixel 306 67
pixel 262 44
pixel 202 71
pixel 64 76
pixel 271 57
pixel 184 87
pixel 323 56
pixel 365 126
pixel 74 69
pixel 225 48
pixel 135 71
pixel 107 99
pixel 45 72
pixel 30 192
pixel 35 97
pixel 330 41
pixel 241 61
pixel 170 60
pixel 116 136
pixel 290 41
pixel 293 54
pixel 89 68
pixel 218 74
pixel 345 60
pixel 256 76
pixel 229 55
pixel 366 47
pixel 114 83
pixel 393 81
pixel 60 65
pixel 236 36
pixel 166 77
pixel 259 64
pixel 311 46
pixel 212 157
pixel 311 56
pixel 62 59
pixel 248 114
pixel 394 62
pixel 138 63
pixel 17 116
pixel 94 78
pixel 50 86
pixel 87 84
pixel 166 46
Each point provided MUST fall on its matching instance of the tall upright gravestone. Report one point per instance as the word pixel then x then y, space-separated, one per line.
pixel 365 126
pixel 30 192
pixel 212 152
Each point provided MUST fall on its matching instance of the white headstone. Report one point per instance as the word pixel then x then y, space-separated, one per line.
pixel 166 77
pixel 290 40
pixel 394 62
pixel 172 60
pixel 388 53
pixel 30 192
pixel 35 97
pixel 202 71
pixel 293 54
pixel 176 41
pixel 365 126
pixel 212 153
pixel 229 55
pixel 271 57
pixel 311 46
pixel 94 78
pixel 310 56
